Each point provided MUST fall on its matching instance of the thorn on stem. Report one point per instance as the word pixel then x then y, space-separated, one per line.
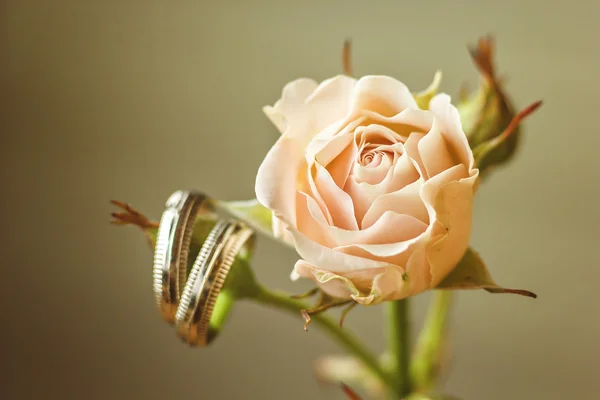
pixel 345 313
pixel 324 304
pixel 308 294
pixel 306 317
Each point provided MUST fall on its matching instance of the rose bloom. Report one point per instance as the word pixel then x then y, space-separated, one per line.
pixel 374 192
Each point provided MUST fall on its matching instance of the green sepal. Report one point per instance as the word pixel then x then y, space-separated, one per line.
pixel 420 396
pixel 251 211
pixel 424 97
pixel 471 273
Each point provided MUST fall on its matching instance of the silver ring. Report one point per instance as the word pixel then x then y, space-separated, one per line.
pixel 172 249
pixel 207 279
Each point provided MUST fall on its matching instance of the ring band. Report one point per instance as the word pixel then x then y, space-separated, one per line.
pixel 172 249
pixel 207 278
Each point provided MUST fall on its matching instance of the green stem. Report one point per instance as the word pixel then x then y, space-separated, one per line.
pixel 425 365
pixel 399 344
pixel 344 338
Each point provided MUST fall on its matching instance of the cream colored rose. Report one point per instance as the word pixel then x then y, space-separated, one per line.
pixel 374 192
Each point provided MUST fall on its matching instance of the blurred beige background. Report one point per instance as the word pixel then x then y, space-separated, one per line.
pixel 135 99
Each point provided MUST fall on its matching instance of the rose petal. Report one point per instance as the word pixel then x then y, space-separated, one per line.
pixel 376 133
pixel 393 253
pixel 411 147
pixel 281 231
pixel 375 172
pixel 403 174
pixel 291 108
pixel 338 203
pixel 331 283
pixel 388 285
pixel 329 259
pixel 403 124
pixel 311 221
pixel 434 151
pixel 405 227
pixel 405 201
pixel 451 126
pixel 418 274
pixel 330 102
pixel 384 95
pixel 276 178
pixel 340 167
pixel 449 198
pixel 365 287
pixel 330 148
pixel 364 194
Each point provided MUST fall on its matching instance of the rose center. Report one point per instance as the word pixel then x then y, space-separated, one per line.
pixel 372 158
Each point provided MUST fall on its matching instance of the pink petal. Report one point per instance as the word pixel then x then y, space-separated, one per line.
pixel 376 133
pixel 411 147
pixel 311 221
pixel 390 228
pixel 375 172
pixel 452 128
pixel 281 231
pixel 330 102
pixel 413 233
pixel 434 152
pixel 329 259
pixel 291 108
pixel 388 285
pixel 405 122
pixel 340 167
pixel 331 148
pixel 383 95
pixel 449 197
pixel 276 178
pixel 405 201
pixel 418 275
pixel 338 203
pixel 403 174
pixel 338 288
pixel 369 286
pixel 364 194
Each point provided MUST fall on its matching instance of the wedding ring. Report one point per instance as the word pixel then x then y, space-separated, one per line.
pixel 207 278
pixel 172 249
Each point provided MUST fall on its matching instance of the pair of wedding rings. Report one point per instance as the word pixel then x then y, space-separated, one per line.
pixel 188 300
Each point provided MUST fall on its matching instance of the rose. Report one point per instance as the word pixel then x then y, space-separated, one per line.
pixel 374 192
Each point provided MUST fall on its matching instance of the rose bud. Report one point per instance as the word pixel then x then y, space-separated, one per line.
pixel 488 116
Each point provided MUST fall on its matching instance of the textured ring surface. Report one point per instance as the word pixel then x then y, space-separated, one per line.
pixel 172 249
pixel 207 279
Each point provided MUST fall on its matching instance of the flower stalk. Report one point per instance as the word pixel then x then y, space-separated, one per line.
pixel 343 337
pixel 399 344
pixel 426 364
